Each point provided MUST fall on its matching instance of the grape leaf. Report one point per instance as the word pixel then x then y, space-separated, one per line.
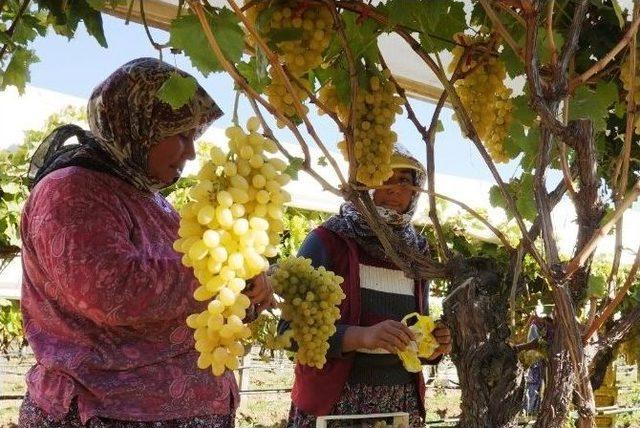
pixel 17 72
pixel 255 75
pixel 596 286
pixel 521 110
pixel 187 35
pixel 525 201
pixel 177 90
pixel 593 103
pixel 81 10
pixel 362 36
pixel 495 197
pixel 544 53
pixel 513 142
pixel 436 21
pixel 294 167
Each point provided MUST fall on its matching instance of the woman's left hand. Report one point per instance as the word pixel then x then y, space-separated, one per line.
pixel 443 336
pixel 260 293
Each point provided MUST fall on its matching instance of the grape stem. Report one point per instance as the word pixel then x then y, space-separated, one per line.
pixel 236 103
pixel 157 46
pixel 312 97
pixel 550 39
pixel 621 171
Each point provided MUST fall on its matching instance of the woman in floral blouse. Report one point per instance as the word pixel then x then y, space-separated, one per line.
pixel 105 297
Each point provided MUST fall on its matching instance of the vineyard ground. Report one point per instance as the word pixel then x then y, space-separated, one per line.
pixel 270 409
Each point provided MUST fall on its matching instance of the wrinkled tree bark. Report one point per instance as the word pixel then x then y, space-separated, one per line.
pixel 491 378
pixel 558 392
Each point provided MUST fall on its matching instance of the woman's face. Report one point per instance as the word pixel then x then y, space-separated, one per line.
pixel 398 196
pixel 167 158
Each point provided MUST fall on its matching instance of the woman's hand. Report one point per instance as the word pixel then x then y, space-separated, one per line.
pixel 443 336
pixel 260 293
pixel 389 335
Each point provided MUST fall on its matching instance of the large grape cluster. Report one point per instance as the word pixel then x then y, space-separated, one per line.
pixel 484 94
pixel 374 114
pixel 310 29
pixel 311 298
pixel 227 230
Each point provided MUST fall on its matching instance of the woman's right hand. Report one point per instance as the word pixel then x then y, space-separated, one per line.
pixel 389 335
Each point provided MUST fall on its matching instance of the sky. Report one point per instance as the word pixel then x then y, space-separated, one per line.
pixel 76 66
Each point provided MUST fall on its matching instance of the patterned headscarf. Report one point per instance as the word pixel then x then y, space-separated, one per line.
pixel 126 119
pixel 350 223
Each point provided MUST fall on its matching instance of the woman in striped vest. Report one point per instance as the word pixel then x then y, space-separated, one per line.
pixel 356 379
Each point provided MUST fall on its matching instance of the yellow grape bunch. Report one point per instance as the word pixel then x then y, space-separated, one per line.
pixel 230 226
pixel 627 78
pixel 311 25
pixel 315 24
pixel 282 99
pixel 484 94
pixel 311 298
pixel 374 114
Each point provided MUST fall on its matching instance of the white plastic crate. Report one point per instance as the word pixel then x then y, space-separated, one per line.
pixel 395 420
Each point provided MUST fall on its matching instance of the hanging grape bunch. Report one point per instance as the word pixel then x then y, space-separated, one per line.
pixel 375 113
pixel 311 298
pixel 483 92
pixel 227 230
pixel 301 32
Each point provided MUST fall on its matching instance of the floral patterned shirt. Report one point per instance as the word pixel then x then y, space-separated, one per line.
pixel 104 300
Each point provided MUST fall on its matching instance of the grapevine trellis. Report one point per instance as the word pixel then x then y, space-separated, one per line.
pixel 577 114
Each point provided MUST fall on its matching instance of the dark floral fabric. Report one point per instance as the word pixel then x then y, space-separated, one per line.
pixel 360 399
pixel 31 416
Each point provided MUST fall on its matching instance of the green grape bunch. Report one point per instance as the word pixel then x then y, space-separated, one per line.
pixel 484 95
pixel 311 25
pixel 375 113
pixel 310 304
